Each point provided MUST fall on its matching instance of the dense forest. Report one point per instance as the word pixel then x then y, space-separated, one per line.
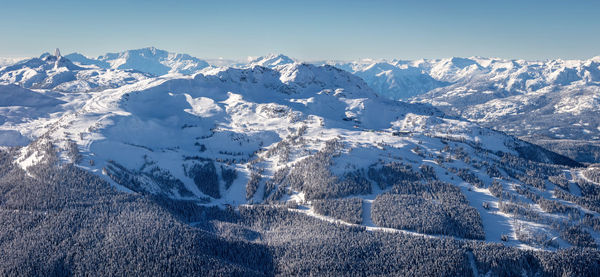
pixel 62 220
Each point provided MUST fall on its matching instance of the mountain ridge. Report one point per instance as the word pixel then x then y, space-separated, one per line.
pixel 306 136
pixel 485 90
pixel 149 60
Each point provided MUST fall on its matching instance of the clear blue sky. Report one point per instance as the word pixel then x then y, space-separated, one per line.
pixel 306 29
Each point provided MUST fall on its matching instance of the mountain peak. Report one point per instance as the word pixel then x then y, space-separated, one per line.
pixel 462 62
pixel 154 61
pixel 271 60
pixel 150 50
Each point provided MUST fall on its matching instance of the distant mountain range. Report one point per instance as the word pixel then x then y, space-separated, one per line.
pixel 552 103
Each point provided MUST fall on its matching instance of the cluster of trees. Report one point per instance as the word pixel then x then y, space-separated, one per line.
pixel 346 209
pixel 575 235
pixel 389 174
pixel 499 260
pixel 568 230
pixel 459 153
pixel 560 180
pixel 533 176
pixel 553 206
pixel 278 185
pixel 534 153
pixel 592 174
pixel 313 176
pixel 589 190
pixel 580 150
pixel 496 189
pixel 228 175
pixel 532 180
pixel 534 236
pixel 73 151
pixel 587 202
pixel 592 221
pixel 493 171
pixel 469 177
pixel 270 185
pixel 428 172
pixel 302 245
pixel 520 210
pixel 166 181
pixel 306 246
pixel 517 167
pixel 205 177
pixel 283 148
pixel 431 208
pixel 253 183
pixel 142 181
pixel 62 221
pixel 548 205
pixel 275 187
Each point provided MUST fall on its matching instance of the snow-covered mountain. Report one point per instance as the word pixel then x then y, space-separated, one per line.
pixel 149 60
pixel 302 133
pixel 45 72
pixel 551 103
pixel 394 80
pixel 61 74
pixel 270 60
pixel 20 106
pixel 511 76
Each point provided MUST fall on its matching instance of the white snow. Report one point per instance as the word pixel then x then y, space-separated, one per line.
pixel 235 115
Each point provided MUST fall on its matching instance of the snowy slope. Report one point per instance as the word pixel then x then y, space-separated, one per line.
pixel 553 103
pixel 548 102
pixel 12 95
pixel 393 80
pixel 227 135
pixel 278 131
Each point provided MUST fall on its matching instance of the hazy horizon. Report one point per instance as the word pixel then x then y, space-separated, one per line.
pixel 311 30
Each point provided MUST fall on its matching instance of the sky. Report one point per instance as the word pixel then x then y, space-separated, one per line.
pixel 306 29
